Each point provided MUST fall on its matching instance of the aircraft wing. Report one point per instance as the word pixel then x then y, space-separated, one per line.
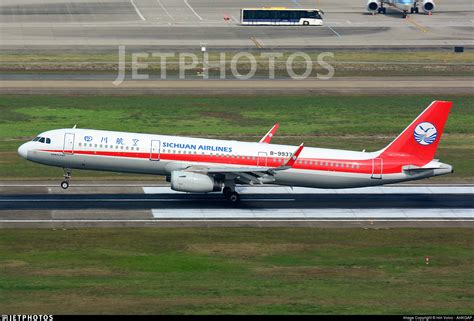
pixel 247 174
pixel 268 136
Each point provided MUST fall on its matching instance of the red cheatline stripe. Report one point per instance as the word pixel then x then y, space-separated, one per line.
pixel 390 165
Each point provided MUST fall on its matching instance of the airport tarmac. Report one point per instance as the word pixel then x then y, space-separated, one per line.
pixel 60 25
pixel 392 85
pixel 118 205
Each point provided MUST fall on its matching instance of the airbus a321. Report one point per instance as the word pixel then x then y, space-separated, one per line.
pixel 199 165
pixel 406 6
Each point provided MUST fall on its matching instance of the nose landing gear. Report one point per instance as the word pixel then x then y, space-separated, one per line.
pixel 67 176
pixel 414 9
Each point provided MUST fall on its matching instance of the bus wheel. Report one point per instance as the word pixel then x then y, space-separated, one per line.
pixel 305 23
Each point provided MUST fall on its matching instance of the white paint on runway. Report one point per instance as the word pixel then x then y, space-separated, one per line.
pixel 317 214
pixel 137 10
pixel 165 10
pixel 194 11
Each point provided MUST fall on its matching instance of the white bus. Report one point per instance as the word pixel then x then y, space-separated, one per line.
pixel 281 16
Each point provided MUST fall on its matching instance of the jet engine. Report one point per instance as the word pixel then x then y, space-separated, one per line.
pixel 373 5
pixel 193 182
pixel 428 5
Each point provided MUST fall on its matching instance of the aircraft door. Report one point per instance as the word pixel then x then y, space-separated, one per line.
pixel 377 168
pixel 68 146
pixel 155 150
pixel 262 159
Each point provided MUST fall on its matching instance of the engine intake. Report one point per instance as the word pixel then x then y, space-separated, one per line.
pixel 428 6
pixel 193 182
pixel 373 5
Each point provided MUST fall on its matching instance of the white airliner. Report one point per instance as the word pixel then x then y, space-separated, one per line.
pixel 406 6
pixel 208 165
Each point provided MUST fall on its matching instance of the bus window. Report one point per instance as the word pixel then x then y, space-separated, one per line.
pixel 284 15
pixel 250 15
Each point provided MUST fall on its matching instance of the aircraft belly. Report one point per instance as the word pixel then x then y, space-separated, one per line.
pixel 325 179
pixel 404 7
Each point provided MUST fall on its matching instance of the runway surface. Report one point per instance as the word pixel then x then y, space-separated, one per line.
pixel 82 24
pixel 415 206
pixel 392 85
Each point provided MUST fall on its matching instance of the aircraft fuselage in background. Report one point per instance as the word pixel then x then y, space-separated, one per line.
pixel 407 6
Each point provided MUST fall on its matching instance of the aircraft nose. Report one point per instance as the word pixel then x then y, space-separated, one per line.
pixel 23 150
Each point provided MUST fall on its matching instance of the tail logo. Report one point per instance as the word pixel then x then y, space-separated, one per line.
pixel 425 133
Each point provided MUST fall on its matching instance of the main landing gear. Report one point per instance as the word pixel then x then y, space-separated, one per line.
pixel 67 176
pixel 414 9
pixel 382 10
pixel 230 194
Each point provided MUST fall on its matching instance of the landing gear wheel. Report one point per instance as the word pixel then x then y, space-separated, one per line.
pixel 67 176
pixel 412 10
pixel 234 197
pixel 227 191
pixel 417 10
pixel 404 15
pixel 305 23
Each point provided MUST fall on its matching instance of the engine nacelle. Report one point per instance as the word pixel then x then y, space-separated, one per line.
pixel 193 182
pixel 428 5
pixel 373 6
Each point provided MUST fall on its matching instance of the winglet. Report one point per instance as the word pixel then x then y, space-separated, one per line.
pixel 293 158
pixel 268 136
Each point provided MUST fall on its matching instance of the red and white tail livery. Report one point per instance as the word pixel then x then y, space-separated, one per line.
pixel 208 165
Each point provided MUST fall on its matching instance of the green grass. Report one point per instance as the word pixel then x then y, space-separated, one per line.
pixel 233 270
pixel 346 63
pixel 339 55
pixel 345 122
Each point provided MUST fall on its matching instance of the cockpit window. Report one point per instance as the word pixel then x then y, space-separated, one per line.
pixel 42 140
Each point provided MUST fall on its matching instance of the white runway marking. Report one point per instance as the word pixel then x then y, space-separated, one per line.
pixel 229 220
pixel 189 6
pixel 138 11
pixel 165 10
pixel 337 34
pixel 322 213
